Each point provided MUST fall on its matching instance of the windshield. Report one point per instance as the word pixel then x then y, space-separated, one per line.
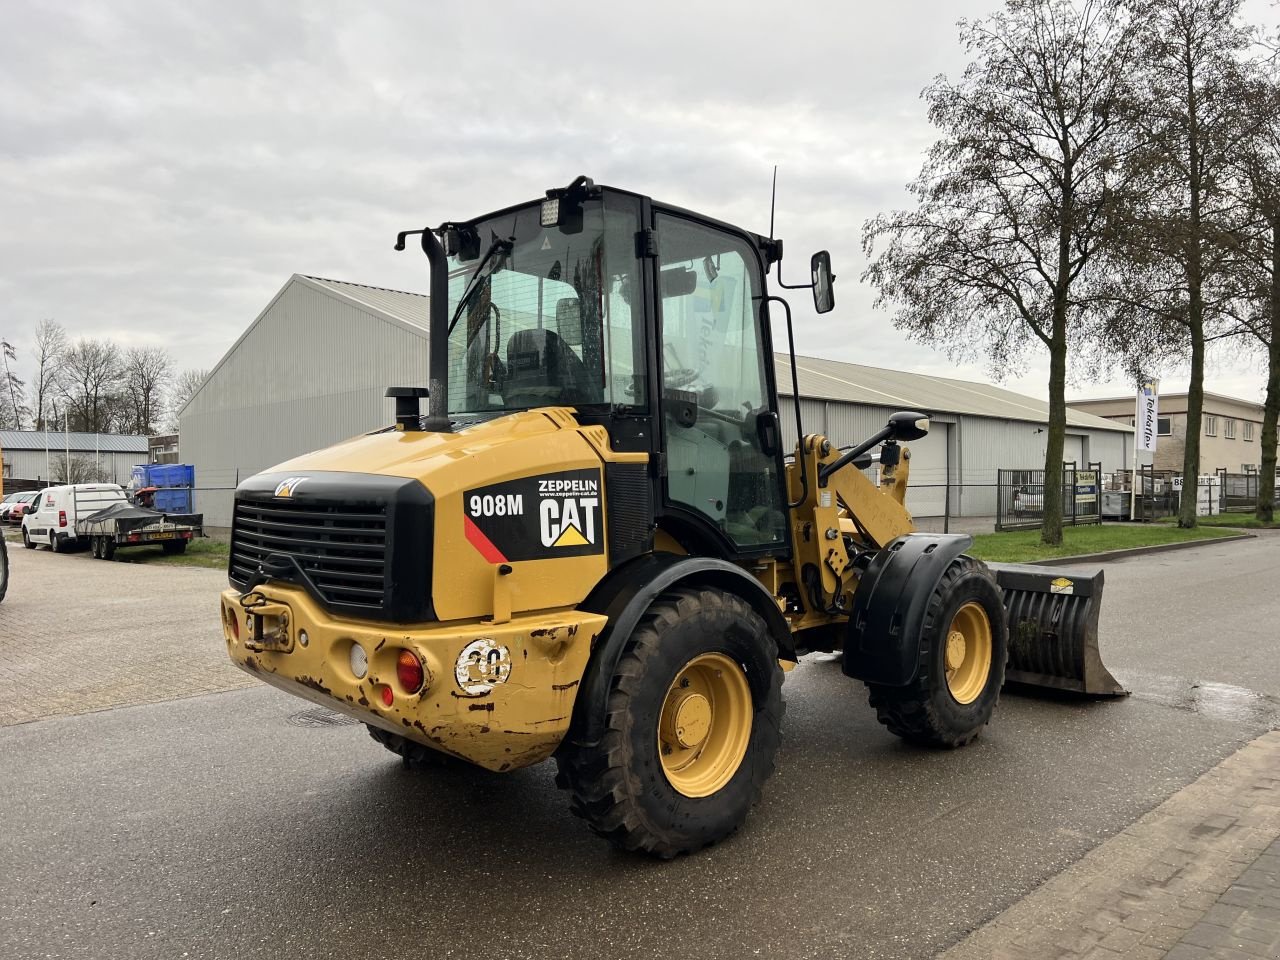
pixel 540 316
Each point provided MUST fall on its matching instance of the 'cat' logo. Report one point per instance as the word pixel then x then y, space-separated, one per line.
pixel 568 521
pixel 286 487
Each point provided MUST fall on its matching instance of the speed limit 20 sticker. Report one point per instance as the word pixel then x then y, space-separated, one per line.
pixel 482 665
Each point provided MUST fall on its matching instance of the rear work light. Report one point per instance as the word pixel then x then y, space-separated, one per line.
pixel 62 518
pixel 409 671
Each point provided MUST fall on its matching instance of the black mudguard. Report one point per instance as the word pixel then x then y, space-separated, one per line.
pixel 626 594
pixel 883 642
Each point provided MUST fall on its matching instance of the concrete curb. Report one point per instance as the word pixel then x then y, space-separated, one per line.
pixel 1139 551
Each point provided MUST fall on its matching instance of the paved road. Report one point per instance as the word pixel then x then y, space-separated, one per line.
pixel 78 634
pixel 235 824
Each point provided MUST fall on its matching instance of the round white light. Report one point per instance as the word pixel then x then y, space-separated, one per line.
pixel 359 661
pixel 303 638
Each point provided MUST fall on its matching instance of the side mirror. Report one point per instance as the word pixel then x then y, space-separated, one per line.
pixel 824 294
pixel 908 425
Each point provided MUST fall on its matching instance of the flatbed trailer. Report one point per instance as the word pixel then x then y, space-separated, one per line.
pixel 128 525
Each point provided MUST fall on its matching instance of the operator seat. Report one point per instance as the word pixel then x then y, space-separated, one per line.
pixel 543 369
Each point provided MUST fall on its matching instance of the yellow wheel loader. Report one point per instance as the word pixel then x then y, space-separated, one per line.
pixel 594 547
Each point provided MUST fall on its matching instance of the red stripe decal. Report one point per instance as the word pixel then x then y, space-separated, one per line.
pixel 481 542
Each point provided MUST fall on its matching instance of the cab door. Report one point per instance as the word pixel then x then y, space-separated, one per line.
pixel 720 435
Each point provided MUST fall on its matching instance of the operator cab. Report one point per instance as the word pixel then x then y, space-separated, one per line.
pixel 649 320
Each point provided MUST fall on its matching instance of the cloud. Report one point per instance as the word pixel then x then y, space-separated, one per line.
pixel 165 167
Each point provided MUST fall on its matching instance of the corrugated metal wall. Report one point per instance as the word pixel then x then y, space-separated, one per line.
pixel 30 464
pixel 312 372
pixel 979 447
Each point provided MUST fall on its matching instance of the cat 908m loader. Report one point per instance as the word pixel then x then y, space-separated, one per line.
pixel 594 547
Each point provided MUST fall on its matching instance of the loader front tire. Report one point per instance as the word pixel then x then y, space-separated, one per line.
pixel 691 729
pixel 963 652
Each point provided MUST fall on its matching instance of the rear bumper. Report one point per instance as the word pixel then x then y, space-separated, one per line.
pixel 498 695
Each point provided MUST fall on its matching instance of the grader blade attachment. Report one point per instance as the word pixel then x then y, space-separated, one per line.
pixel 1053 629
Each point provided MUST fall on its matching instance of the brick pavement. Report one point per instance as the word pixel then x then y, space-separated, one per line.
pixel 78 634
pixel 1195 878
pixel 1245 922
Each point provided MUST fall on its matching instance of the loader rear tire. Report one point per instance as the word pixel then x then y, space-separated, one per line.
pixel 691 729
pixel 963 652
pixel 413 754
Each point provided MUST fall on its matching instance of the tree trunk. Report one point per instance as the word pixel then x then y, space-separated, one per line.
pixel 1271 407
pixel 1195 312
pixel 1195 406
pixel 1051 528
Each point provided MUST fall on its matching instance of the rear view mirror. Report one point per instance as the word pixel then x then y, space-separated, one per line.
pixel 824 294
pixel 908 425
pixel 678 282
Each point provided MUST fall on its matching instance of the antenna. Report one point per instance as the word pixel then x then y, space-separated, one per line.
pixel 773 200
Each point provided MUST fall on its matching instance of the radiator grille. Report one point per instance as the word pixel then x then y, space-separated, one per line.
pixel 340 548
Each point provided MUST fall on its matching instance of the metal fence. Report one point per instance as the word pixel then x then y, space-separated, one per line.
pixel 1020 497
pixel 1156 494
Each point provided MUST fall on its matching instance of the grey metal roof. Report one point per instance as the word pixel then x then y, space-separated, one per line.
pixel 398 304
pixel 80 442
pixel 855 383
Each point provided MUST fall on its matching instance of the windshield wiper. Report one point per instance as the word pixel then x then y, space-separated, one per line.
pixel 499 244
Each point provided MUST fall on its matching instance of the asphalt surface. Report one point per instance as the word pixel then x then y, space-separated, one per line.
pixel 243 825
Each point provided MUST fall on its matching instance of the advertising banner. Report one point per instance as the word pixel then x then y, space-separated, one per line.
pixel 1146 418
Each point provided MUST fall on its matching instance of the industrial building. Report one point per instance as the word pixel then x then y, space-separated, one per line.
pixel 312 368
pixel 36 456
pixel 1231 430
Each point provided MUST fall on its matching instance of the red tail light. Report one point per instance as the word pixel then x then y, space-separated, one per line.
pixel 62 518
pixel 388 697
pixel 409 671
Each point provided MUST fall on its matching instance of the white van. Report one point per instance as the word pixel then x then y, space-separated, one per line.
pixel 51 519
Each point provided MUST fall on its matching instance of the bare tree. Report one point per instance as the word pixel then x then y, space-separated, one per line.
pixel 146 372
pixel 1013 197
pixel 92 372
pixel 51 344
pixel 185 386
pixel 13 408
pixel 1173 239
pixel 81 470
pixel 1254 260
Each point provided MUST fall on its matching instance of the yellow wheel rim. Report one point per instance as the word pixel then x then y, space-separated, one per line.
pixel 705 725
pixel 968 653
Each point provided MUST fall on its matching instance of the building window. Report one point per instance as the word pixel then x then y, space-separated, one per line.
pixel 1248 431
pixel 1210 426
pixel 1163 427
pixel 1229 429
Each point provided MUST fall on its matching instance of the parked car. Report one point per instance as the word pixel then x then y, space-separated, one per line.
pixel 12 512
pixel 51 520
pixel 6 503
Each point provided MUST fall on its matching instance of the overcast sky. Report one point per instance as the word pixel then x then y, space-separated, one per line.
pixel 165 167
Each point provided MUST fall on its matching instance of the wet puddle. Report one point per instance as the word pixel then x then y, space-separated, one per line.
pixel 1219 701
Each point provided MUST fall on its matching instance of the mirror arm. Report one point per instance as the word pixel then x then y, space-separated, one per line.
pixel 795 396
pixel 791 286
pixel 852 454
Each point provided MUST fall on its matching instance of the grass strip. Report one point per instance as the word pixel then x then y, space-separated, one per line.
pixel 1023 546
